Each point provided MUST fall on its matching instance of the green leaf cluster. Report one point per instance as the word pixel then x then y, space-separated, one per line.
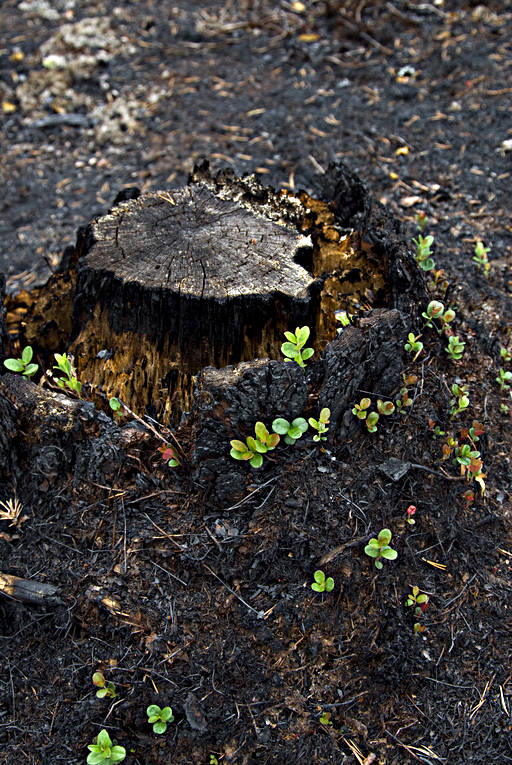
pixel 413 345
pixel 455 348
pixel 379 547
pixel 159 717
pixel 70 380
pixel 321 425
pixel 104 751
pixel 254 447
pixel 423 252
pixel 460 400
pixel 105 690
pixel 321 584
pixel 361 411
pixel 294 349
pixel 291 431
pixel 436 310
pixel 24 364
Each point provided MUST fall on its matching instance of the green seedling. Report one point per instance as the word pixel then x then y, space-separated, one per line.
pixel 360 409
pixel 159 717
pixel 436 429
pixel 105 751
pixel 254 448
pixel 405 399
pixel 213 760
pixel 24 364
pixel 480 257
pixel 418 600
pixel 504 409
pixel 503 379
pixel 169 455
pixel 344 319
pixel 70 380
pixel 105 690
pixel 423 252
pixel 460 400
pixel 436 310
pixel 294 349
pixel 419 628
pixel 321 425
pixel 505 354
pixel 413 345
pixel 371 422
pixel 379 547
pixel 291 431
pixel 455 348
pixel 385 407
pixel 421 220
pixel 411 510
pixel 321 584
pixel 325 718
pixel 115 405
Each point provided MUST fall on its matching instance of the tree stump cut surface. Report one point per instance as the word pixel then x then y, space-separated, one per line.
pixel 177 280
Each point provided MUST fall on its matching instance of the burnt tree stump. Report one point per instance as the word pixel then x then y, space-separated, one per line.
pixel 174 281
pixel 177 303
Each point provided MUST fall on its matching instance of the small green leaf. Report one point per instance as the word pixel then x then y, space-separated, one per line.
pixel 273 441
pixel 289 350
pixel 384 537
pixel 114 404
pixel 378 564
pixel 256 461
pixel 317 587
pixel 388 553
pixel 159 727
pixel 307 353
pixel 302 335
pixel 325 415
pixel 251 443
pixel 14 365
pixel 329 584
pixel 95 757
pixel 281 426
pixel 291 337
pixel 27 354
pixel 295 433
pixel 118 753
pixel 319 576
pixel 372 551
pixel 261 431
pixel 153 709
pixel 300 422
pixel 31 370
pixel 167 715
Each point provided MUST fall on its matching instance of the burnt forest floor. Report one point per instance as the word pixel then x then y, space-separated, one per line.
pixel 208 607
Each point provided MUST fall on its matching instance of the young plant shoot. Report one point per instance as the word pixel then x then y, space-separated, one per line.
pixel 321 584
pixel 321 425
pixel 105 751
pixel 159 717
pixel 294 349
pixel 291 431
pixel 23 365
pixel 379 547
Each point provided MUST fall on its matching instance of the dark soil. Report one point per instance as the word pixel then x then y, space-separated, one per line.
pixel 207 606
